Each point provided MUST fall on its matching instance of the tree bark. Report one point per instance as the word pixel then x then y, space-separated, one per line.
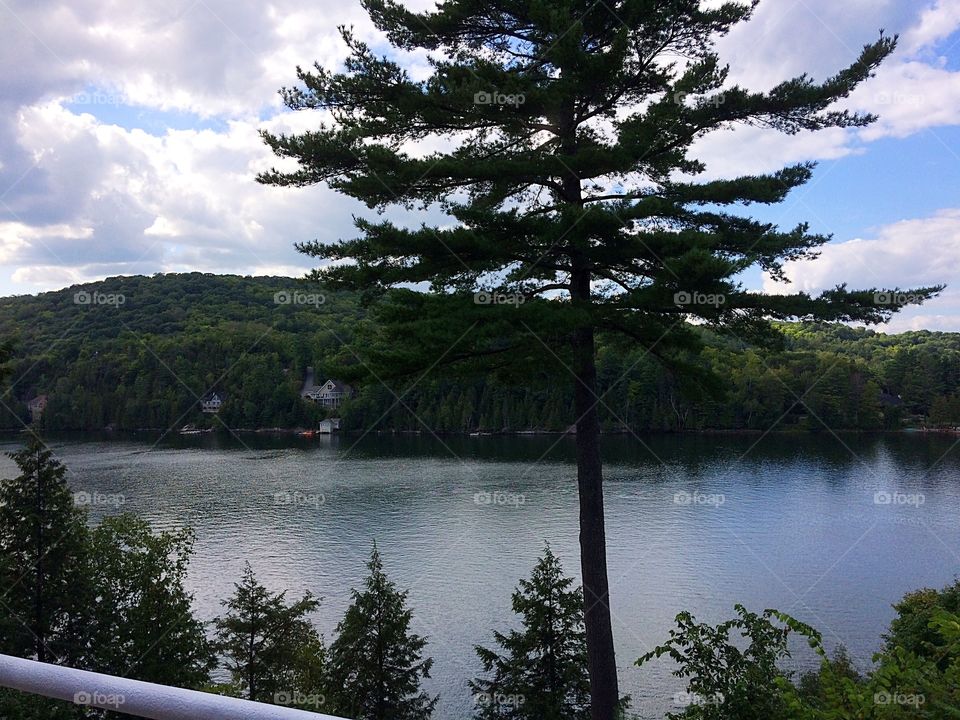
pixel 601 656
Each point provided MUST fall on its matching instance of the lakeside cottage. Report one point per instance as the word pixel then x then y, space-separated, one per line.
pixel 332 393
pixel 329 394
pixel 211 403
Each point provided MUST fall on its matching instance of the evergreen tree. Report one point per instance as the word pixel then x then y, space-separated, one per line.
pixel 540 671
pixel 43 538
pixel 566 129
pixel 142 625
pixel 267 641
pixel 376 663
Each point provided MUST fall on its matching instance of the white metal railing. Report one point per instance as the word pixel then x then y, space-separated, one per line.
pixel 134 697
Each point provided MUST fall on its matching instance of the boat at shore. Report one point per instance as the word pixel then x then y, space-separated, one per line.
pixel 193 430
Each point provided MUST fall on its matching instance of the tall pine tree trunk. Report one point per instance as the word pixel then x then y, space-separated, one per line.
pixel 601 658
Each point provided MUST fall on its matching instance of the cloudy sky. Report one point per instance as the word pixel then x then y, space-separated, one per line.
pixel 128 140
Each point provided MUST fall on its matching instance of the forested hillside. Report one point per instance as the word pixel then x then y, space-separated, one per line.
pixel 145 361
pixel 140 352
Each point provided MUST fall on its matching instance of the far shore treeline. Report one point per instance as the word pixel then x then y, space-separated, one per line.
pixel 138 352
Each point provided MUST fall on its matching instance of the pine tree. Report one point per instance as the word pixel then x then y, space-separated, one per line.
pixel 376 663
pixel 540 671
pixel 565 130
pixel 43 539
pixel 266 641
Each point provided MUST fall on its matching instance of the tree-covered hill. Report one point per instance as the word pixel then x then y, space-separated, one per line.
pixel 140 352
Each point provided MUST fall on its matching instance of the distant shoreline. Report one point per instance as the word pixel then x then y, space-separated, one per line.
pixel 301 432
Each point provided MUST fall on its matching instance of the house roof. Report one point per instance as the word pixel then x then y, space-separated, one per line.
pixel 335 386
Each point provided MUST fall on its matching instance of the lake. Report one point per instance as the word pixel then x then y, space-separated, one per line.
pixel 832 529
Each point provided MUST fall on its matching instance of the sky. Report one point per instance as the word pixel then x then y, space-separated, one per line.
pixel 129 140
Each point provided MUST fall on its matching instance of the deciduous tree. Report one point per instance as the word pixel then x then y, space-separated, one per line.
pixel 141 621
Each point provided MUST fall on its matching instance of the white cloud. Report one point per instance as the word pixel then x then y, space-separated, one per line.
pixel 785 39
pixel 48 277
pixel 908 254
pixel 821 37
pixel 751 150
pixel 909 97
pixel 937 21
pixel 82 197
pixel 187 200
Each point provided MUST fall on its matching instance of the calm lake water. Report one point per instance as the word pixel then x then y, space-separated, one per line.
pixel 832 530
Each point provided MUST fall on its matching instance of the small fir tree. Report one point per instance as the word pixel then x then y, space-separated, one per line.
pixel 540 670
pixel 43 538
pixel 376 663
pixel 266 641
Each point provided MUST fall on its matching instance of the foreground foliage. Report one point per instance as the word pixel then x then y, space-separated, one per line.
pixel 916 675
pixel 44 559
pixel 267 640
pixel 109 599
